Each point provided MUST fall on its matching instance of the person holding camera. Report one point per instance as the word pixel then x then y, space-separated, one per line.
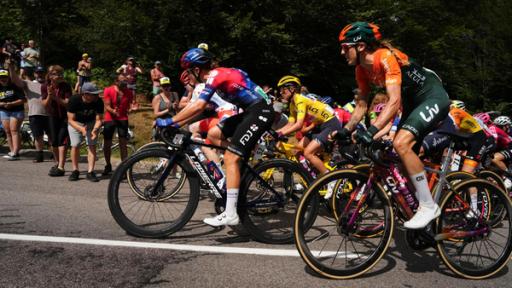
pixel 130 69
pixel 55 94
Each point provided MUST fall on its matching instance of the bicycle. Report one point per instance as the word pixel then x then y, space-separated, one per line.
pixel 377 198
pixel 266 209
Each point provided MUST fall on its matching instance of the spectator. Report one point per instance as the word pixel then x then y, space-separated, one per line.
pixel 85 111
pixel 11 113
pixel 84 71
pixel 8 51
pixel 30 59
pixel 37 115
pixel 119 101
pixel 166 103
pixel 22 61
pixel 55 94
pixel 130 69
pixel 156 74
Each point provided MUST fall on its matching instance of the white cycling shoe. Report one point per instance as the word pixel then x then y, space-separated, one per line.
pixel 330 190
pixel 222 220
pixel 422 217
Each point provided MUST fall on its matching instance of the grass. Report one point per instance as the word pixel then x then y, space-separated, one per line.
pixel 141 121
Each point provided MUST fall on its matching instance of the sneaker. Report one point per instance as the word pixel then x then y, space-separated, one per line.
pixel 222 220
pixel 75 175
pixel 13 157
pixel 55 171
pixel 8 155
pixel 39 157
pixel 330 190
pixel 422 217
pixel 91 176
pixel 107 170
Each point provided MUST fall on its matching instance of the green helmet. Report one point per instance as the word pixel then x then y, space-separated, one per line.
pixel 360 32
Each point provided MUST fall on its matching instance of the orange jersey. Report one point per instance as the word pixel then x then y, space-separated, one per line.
pixel 385 70
pixel 464 121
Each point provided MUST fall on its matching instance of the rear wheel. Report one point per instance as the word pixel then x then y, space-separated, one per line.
pixel 466 241
pixel 269 200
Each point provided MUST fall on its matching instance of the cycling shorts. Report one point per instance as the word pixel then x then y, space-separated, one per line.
pixel 324 130
pixel 245 129
pixel 425 107
pixel 109 127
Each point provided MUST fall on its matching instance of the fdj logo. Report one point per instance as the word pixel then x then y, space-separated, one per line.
pixel 248 134
pixel 431 111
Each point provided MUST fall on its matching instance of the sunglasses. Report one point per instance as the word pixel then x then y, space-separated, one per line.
pixel 346 46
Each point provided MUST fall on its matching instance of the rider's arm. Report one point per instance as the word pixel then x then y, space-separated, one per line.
pixel 359 111
pixel 384 131
pixel 191 111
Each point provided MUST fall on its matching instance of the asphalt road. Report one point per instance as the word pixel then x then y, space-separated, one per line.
pixel 31 203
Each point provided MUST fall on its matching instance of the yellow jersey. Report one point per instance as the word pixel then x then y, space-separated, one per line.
pixel 302 106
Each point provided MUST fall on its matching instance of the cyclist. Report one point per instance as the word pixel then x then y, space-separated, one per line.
pixel 245 129
pixel 321 114
pixel 417 89
pixel 504 143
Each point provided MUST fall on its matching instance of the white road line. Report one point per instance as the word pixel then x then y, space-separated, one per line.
pixel 167 246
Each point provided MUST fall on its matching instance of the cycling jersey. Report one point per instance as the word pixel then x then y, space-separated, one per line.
pixel 342 115
pixel 464 121
pixel 302 106
pixel 424 100
pixel 219 103
pixel 234 86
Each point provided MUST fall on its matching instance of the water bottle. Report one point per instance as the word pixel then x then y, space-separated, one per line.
pixel 404 190
pixel 200 155
pixel 217 174
pixel 305 163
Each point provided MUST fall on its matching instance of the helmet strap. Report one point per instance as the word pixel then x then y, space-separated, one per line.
pixel 198 79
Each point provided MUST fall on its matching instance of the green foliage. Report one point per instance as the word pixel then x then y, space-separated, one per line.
pixel 465 42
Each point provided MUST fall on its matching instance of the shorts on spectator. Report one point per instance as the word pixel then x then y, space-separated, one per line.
pixel 7 115
pixel 109 127
pixel 76 136
pixel 39 125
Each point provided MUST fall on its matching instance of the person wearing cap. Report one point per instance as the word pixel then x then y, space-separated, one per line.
pixel 156 74
pixel 119 101
pixel 37 114
pixel 203 46
pixel 130 69
pixel 85 112
pixel 84 71
pixel 11 113
pixel 165 104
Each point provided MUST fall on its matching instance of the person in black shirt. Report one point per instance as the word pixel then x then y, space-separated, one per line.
pixel 12 99
pixel 85 112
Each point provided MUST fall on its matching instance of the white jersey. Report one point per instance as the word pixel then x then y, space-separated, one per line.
pixel 220 104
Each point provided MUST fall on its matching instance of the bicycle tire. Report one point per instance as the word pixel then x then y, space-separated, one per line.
pixel 120 210
pixel 272 224
pixel 450 205
pixel 498 211
pixel 303 241
pixel 151 145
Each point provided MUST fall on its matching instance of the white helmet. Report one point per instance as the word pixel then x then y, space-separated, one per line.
pixel 502 121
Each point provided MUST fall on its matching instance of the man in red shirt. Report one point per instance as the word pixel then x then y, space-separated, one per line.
pixel 119 101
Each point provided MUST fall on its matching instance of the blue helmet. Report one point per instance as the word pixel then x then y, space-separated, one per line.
pixel 195 57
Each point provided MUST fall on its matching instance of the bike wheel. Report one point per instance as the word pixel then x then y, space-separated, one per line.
pixel 498 211
pixel 152 145
pixel 334 249
pixel 268 202
pixel 466 241
pixel 154 212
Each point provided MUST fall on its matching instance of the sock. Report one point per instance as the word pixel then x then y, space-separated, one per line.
pixel 422 191
pixel 474 201
pixel 232 197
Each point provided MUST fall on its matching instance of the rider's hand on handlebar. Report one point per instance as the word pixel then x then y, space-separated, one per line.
pixel 366 136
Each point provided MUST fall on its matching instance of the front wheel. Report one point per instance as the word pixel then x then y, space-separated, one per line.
pixel 269 199
pixel 338 246
pixel 151 210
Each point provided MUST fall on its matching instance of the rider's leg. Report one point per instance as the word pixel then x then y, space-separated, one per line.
pixel 231 161
pixel 403 144
pixel 310 152
pixel 499 161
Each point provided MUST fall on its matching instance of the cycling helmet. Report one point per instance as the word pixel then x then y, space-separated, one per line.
pixel 85 55
pixel 195 57
pixel 360 32
pixel 288 80
pixel 203 46
pixel 4 73
pixel 379 107
pixel 502 121
pixel 484 117
pixel 165 81
pixel 458 104
pixel 184 78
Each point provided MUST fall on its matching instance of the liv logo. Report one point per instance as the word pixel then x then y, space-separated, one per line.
pixel 431 111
